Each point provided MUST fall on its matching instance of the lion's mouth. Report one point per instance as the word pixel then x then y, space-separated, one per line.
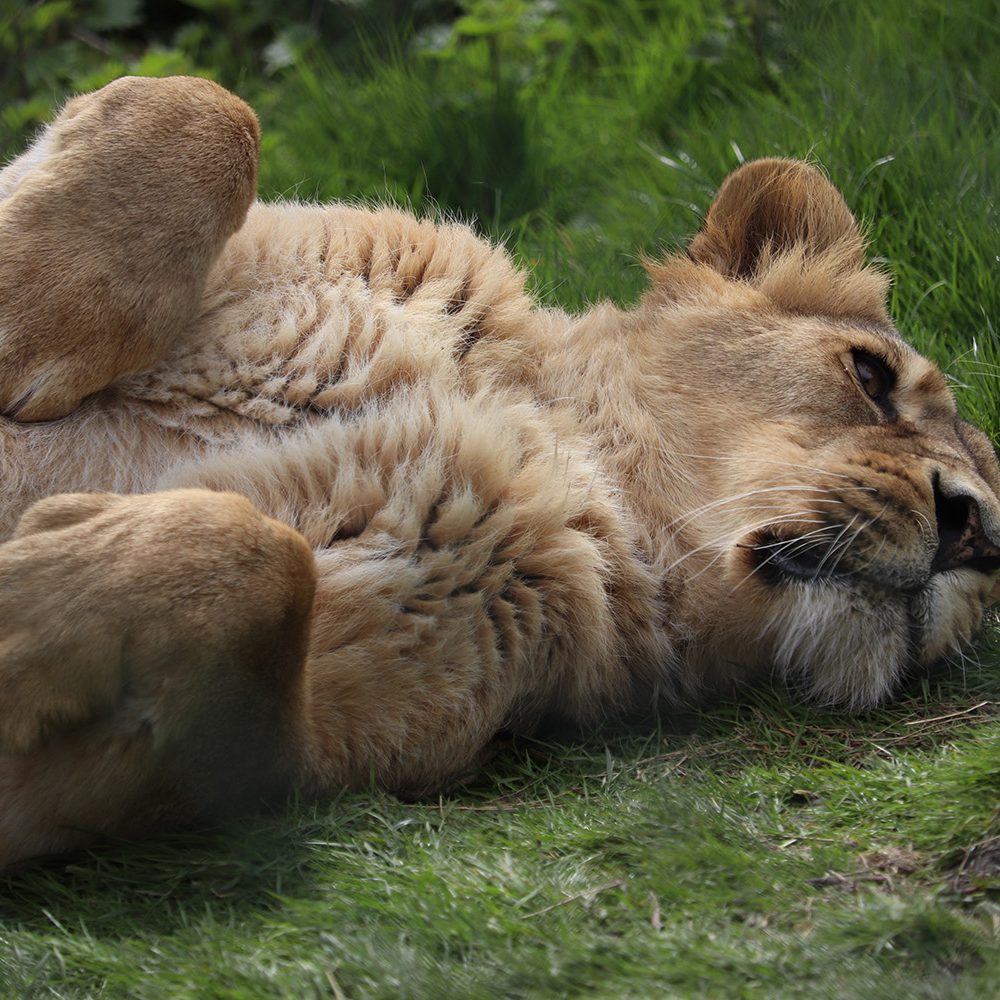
pixel 847 622
pixel 778 560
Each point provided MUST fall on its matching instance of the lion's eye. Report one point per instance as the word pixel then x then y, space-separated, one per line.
pixel 875 376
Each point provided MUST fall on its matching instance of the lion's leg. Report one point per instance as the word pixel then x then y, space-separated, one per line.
pixel 108 226
pixel 151 652
pixel 407 690
pixel 431 640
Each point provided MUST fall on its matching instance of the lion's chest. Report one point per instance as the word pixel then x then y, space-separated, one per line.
pixel 297 352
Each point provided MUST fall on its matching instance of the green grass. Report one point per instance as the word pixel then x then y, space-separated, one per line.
pixel 755 850
pixel 765 851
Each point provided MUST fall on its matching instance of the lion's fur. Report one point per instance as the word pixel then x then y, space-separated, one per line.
pixel 495 512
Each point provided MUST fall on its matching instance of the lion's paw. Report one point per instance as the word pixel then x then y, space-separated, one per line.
pixel 145 598
pixel 108 226
pixel 60 659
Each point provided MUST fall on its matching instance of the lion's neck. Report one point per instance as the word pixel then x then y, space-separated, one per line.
pixel 599 369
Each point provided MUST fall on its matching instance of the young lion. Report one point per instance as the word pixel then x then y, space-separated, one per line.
pixel 292 495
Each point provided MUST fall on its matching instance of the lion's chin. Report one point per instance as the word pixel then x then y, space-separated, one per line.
pixel 839 643
pixel 848 645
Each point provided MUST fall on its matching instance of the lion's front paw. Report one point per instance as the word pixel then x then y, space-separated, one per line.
pixel 108 226
pixel 157 601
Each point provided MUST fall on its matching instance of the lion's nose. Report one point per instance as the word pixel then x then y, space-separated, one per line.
pixel 962 541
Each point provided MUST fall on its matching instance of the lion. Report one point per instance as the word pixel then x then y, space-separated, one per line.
pixel 297 497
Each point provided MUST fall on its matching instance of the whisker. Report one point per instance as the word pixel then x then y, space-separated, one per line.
pixel 765 461
pixel 923 517
pixel 788 488
pixel 782 542
pixel 726 541
pixel 832 547
pixel 846 547
pixel 878 552
pixel 780 551
pixel 980 364
pixel 960 663
pixel 854 537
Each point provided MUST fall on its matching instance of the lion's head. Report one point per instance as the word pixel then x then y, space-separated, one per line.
pixel 838 521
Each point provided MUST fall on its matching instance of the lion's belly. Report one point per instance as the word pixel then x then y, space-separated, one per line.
pixel 98 448
pixel 395 426
pixel 269 366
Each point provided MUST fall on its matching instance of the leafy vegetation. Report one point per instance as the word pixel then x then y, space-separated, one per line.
pixel 764 849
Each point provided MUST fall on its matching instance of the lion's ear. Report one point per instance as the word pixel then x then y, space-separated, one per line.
pixel 768 207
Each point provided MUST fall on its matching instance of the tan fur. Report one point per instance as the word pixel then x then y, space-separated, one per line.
pixel 333 499
pixel 91 290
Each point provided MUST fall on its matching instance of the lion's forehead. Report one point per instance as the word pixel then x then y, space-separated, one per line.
pixel 802 367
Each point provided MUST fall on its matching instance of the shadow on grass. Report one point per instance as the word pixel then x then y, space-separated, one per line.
pixel 116 888
pixel 250 868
